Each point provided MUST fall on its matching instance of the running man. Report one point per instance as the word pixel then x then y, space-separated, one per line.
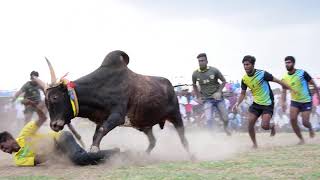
pixel 31 91
pixel 210 92
pixel 301 102
pixel 263 100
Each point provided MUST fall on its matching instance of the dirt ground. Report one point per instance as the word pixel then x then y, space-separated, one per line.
pixel 205 145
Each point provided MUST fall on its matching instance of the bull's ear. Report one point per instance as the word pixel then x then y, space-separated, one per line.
pixel 124 57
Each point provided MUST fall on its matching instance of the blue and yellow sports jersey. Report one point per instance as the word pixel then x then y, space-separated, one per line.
pixel 259 85
pixel 298 81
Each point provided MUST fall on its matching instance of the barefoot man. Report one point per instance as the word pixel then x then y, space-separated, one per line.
pixel 263 101
pixel 301 102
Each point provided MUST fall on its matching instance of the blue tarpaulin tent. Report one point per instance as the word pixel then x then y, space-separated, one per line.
pixel 7 93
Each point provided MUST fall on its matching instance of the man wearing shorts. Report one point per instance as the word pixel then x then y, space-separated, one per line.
pixel 301 102
pixel 263 100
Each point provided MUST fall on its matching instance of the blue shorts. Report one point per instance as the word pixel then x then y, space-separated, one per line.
pixel 302 106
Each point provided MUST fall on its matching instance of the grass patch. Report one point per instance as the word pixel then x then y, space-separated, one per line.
pixel 27 178
pixel 293 162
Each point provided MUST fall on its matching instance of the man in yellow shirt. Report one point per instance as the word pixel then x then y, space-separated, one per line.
pixel 301 102
pixel 32 148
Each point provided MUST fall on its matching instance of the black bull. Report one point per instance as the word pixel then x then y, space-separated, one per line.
pixel 112 96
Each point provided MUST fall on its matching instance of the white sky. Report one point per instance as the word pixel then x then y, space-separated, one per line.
pixel 161 39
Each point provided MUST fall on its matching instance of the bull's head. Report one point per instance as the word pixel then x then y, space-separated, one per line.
pixel 57 101
pixel 59 107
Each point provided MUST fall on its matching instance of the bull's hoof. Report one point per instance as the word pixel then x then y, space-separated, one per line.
pixel 273 131
pixel 301 142
pixel 254 146
pixel 311 134
pixel 148 151
pixel 94 149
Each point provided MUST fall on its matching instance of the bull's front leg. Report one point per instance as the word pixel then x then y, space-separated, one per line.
pixel 114 120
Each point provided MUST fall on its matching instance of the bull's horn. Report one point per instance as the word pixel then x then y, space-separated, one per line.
pixel 42 84
pixel 52 73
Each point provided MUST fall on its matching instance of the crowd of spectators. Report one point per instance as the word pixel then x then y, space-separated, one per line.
pixel 193 114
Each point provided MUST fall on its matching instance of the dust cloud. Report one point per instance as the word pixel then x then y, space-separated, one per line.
pixel 205 145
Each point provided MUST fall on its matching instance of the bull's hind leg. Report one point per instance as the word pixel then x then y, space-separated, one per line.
pixel 178 124
pixel 151 138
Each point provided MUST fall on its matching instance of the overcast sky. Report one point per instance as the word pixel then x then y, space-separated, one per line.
pixel 162 38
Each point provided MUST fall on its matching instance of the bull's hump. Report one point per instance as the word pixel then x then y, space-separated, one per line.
pixel 116 58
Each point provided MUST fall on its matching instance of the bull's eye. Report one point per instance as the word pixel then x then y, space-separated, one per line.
pixel 54 98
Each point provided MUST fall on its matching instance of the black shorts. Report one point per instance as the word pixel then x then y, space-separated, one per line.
pixel 302 106
pixel 258 110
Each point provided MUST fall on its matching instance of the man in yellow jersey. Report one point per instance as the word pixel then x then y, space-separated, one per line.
pixel 299 80
pixel 263 100
pixel 32 148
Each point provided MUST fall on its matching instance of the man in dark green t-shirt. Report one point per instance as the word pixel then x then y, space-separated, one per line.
pixel 31 91
pixel 210 90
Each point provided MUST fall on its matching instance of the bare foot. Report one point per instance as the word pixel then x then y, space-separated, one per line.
pixel 228 132
pixel 226 129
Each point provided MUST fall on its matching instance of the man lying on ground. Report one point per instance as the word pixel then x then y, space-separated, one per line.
pixel 31 148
